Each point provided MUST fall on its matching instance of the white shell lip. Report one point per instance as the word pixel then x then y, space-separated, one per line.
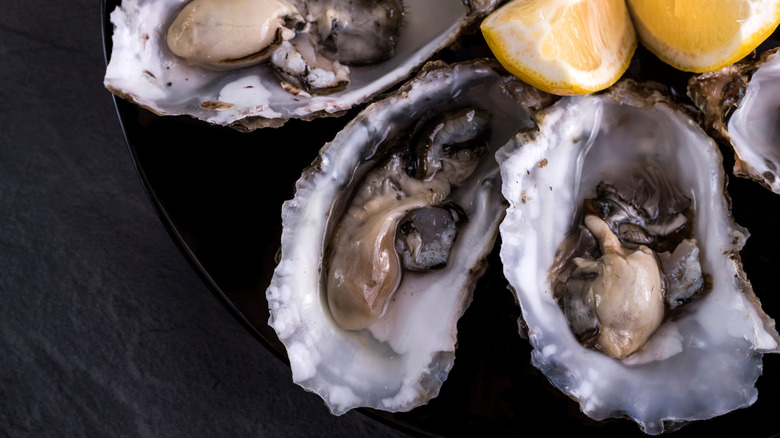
pixel 143 70
pixel 740 105
pixel 401 360
pixel 754 127
pixel 698 366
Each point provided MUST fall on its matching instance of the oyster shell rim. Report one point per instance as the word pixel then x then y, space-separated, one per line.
pixel 474 70
pixel 263 116
pixel 570 418
pixel 638 94
pixel 718 95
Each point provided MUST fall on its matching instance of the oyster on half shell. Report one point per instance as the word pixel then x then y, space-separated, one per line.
pixel 740 105
pixel 300 59
pixel 388 233
pixel 660 323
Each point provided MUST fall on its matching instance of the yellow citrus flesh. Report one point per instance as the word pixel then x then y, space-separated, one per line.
pixel 703 35
pixel 562 46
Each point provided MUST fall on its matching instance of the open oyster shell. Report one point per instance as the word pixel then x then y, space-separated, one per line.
pixel 401 359
pixel 704 359
pixel 740 105
pixel 144 70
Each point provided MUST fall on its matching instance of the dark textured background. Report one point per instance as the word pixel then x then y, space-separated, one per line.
pixel 105 330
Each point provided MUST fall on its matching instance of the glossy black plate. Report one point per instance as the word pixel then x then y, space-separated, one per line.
pixel 219 194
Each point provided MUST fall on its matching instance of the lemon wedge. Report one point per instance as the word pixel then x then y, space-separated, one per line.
pixel 703 35
pixel 562 46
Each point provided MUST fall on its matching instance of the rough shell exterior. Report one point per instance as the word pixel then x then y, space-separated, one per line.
pixel 701 364
pixel 740 105
pixel 401 360
pixel 143 70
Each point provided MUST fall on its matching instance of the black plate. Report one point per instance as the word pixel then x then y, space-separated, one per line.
pixel 219 194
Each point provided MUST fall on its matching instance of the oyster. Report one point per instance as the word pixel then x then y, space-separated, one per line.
pixel 390 226
pixel 641 187
pixel 740 105
pixel 291 59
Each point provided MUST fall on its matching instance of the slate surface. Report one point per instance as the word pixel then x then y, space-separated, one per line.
pixel 105 330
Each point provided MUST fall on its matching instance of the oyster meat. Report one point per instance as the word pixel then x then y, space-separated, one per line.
pixel 740 105
pixel 620 246
pixel 256 63
pixel 390 226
